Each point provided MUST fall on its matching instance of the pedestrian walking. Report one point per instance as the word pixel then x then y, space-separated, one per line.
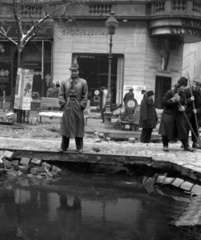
pixel 193 111
pixel 73 96
pixel 172 124
pixel 148 117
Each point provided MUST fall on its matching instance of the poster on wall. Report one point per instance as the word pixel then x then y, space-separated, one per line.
pixel 23 89
pixel 137 91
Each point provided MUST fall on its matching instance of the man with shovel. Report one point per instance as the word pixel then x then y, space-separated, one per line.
pixel 193 111
pixel 172 124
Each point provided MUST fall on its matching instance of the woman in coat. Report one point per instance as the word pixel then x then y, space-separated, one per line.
pixel 148 117
pixel 173 118
pixel 73 96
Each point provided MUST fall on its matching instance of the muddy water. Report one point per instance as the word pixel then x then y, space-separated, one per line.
pixel 88 207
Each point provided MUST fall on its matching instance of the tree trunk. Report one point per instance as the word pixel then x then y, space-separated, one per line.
pixel 19 112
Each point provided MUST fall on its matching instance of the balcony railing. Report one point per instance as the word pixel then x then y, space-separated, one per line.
pixel 175 7
pixel 100 8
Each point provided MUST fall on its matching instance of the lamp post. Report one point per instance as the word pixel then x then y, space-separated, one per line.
pixel 111 24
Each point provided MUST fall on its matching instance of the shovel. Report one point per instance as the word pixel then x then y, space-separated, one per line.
pixel 196 120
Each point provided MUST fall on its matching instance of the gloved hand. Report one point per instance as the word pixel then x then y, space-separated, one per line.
pixel 195 111
pixel 181 108
pixel 176 98
pixel 192 98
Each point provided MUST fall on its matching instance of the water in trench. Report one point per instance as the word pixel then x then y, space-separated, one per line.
pixel 89 207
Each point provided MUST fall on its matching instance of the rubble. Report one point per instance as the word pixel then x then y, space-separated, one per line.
pixel 26 166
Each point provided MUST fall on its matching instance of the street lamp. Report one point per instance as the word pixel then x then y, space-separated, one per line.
pixel 111 24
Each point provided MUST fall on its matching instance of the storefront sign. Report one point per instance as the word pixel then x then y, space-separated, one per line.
pixel 32 65
pixel 186 30
pixel 191 23
pixel 23 90
pixel 77 31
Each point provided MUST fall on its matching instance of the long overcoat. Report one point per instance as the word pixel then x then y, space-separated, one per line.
pixel 173 121
pixel 72 124
pixel 148 116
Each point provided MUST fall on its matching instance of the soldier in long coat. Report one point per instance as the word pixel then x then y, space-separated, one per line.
pixel 148 117
pixel 73 95
pixel 194 112
pixel 172 124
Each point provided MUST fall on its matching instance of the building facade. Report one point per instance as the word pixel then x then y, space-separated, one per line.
pixel 147 45
pixel 192 60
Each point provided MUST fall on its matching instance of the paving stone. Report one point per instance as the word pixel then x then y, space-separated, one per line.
pixel 186 186
pixel 25 161
pixel 195 173
pixel 131 140
pixel 168 180
pixel 56 169
pixel 177 182
pixel 46 166
pixel 160 179
pixel 196 190
pixel 15 162
pixel 36 161
pixel 8 164
pixel 35 170
pixel 1 163
pixel 8 154
pixel 24 169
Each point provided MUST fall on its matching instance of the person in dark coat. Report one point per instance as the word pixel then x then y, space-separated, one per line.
pixel 128 96
pixel 192 113
pixel 144 92
pixel 73 95
pixel 172 124
pixel 148 117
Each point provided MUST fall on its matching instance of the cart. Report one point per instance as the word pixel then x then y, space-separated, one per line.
pixel 130 117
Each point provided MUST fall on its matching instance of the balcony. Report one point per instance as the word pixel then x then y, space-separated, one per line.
pixel 176 19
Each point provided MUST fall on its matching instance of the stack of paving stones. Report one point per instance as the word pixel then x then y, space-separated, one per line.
pixel 35 167
pixel 187 187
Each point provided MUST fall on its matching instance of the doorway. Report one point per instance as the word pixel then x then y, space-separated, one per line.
pixel 163 84
pixel 94 69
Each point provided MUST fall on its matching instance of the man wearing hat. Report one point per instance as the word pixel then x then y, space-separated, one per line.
pixel 128 96
pixel 148 117
pixel 193 111
pixel 73 95
pixel 172 124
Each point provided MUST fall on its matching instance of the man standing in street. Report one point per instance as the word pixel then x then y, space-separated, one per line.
pixel 193 111
pixel 73 95
pixel 172 124
pixel 148 117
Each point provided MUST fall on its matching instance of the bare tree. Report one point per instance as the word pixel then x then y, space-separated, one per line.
pixel 17 8
pixel 27 16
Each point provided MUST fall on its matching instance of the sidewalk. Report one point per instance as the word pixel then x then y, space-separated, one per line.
pixel 103 149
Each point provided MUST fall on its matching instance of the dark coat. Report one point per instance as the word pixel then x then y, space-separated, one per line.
pixel 173 121
pixel 197 104
pixel 148 116
pixel 72 124
pixel 128 96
